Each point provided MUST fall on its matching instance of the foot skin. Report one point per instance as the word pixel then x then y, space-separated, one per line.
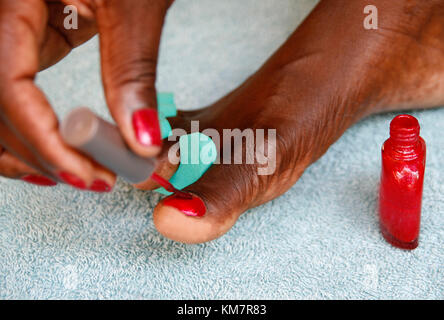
pixel 328 75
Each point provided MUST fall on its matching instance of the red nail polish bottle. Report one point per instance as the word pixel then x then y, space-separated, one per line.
pixel 402 176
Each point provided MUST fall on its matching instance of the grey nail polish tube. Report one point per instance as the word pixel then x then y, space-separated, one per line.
pixel 101 140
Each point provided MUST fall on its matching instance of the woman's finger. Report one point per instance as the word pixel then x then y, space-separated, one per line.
pixel 9 141
pixel 130 34
pixel 27 167
pixel 13 168
pixel 60 40
pixel 23 107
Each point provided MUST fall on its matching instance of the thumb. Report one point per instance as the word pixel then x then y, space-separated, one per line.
pixel 130 33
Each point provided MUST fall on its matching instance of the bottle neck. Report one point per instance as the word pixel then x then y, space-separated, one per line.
pixel 404 134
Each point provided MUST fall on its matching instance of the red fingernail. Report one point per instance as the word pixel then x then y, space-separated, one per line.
pixel 100 186
pixel 39 180
pixel 193 206
pixel 147 128
pixel 72 180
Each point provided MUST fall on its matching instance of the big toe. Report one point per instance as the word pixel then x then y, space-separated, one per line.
pixel 213 207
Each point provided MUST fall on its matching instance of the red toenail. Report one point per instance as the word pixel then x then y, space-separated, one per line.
pixel 39 180
pixel 193 206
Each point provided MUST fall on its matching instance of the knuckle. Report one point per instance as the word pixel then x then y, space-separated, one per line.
pixel 139 70
pixel 104 4
pixel 95 3
pixel 6 169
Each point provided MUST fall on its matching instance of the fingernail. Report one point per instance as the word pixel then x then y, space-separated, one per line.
pixel 192 206
pixel 72 180
pixel 146 127
pixel 39 180
pixel 100 186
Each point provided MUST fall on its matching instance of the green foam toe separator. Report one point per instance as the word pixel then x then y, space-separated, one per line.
pixel 166 109
pixel 197 151
pixel 165 102
pixel 197 154
pixel 165 127
pixel 165 97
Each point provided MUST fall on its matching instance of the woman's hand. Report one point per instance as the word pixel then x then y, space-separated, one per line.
pixel 32 38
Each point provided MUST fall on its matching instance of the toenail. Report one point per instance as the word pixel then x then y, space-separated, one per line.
pixel 193 206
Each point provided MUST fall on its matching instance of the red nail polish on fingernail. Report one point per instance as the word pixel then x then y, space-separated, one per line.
pixel 193 206
pixel 72 180
pixel 100 186
pixel 39 180
pixel 147 128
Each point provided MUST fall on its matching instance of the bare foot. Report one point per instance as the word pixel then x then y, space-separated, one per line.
pixel 329 74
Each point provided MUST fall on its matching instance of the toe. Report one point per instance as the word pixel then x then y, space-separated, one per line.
pixel 172 222
pixel 177 219
pixel 218 199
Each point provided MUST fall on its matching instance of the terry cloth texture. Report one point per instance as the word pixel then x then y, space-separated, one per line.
pixel 319 240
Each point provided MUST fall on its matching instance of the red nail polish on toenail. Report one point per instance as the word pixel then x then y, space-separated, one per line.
pixel 146 127
pixel 39 180
pixel 100 186
pixel 193 206
pixel 72 180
